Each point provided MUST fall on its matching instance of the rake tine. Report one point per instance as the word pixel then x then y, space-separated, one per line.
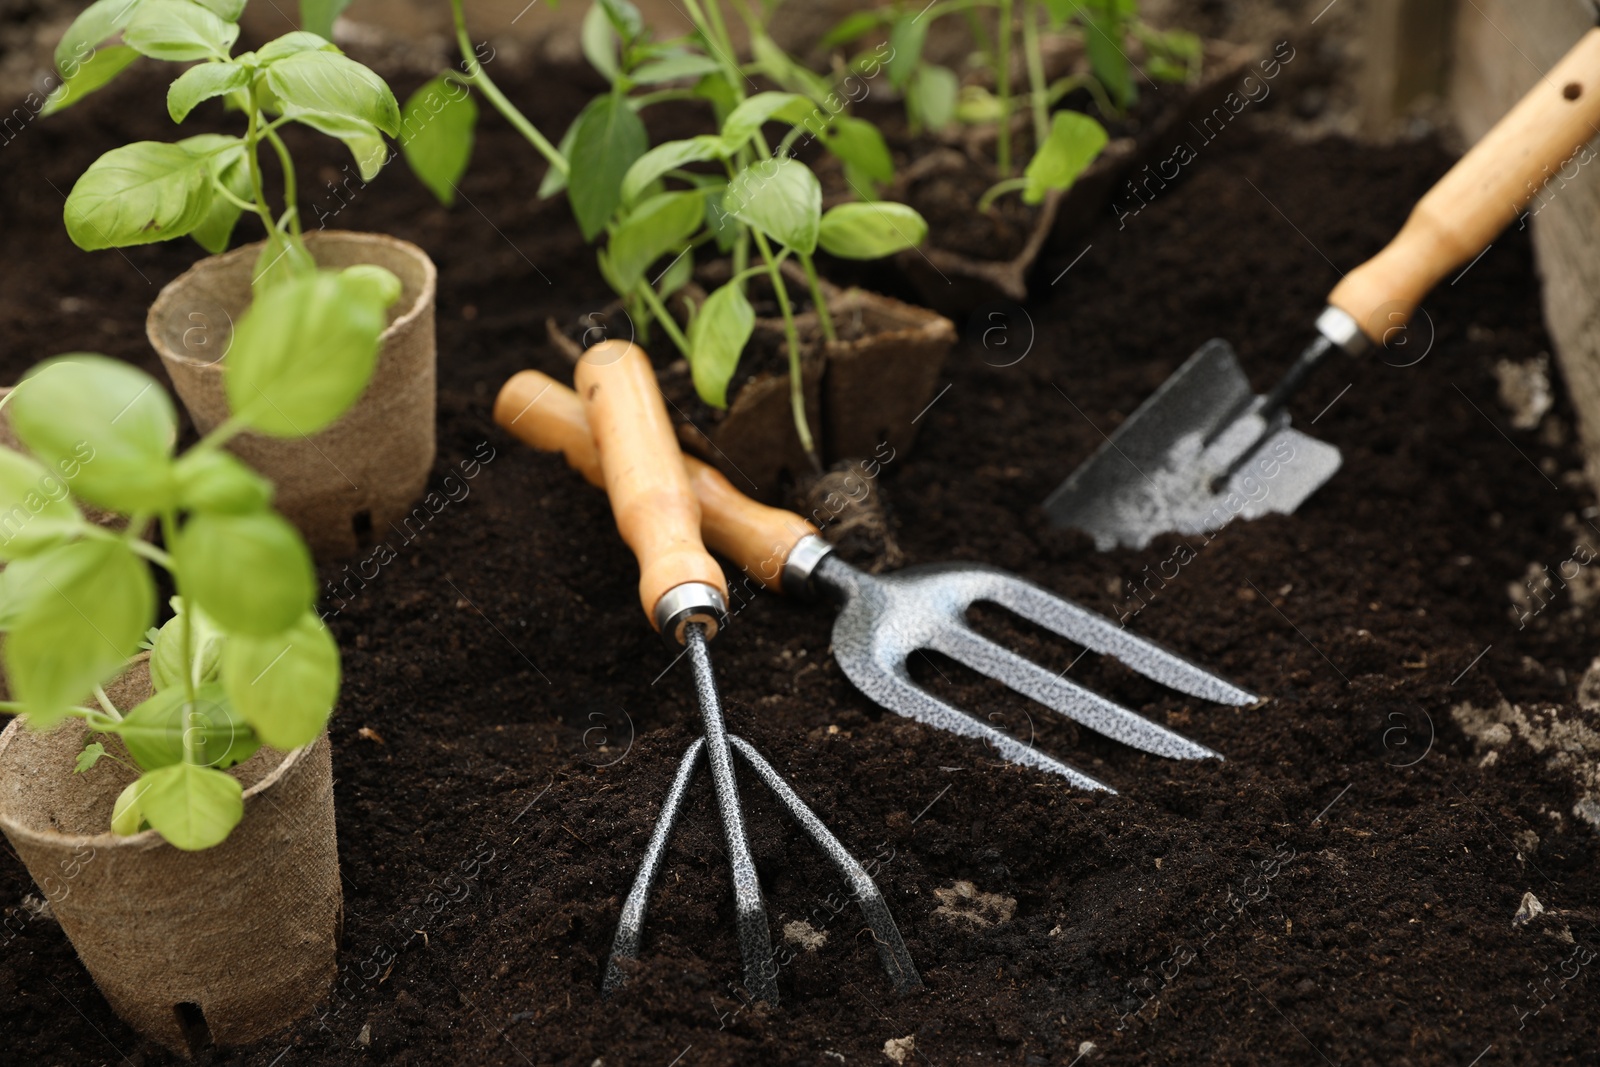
pixel 895 690
pixel 1081 705
pixel 630 927
pixel 1100 634
pixel 891 947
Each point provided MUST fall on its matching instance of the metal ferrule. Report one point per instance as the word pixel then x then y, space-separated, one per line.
pixel 807 552
pixel 1340 327
pixel 686 603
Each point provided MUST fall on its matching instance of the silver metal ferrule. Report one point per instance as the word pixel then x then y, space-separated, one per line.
pixel 1340 327
pixel 802 563
pixel 686 603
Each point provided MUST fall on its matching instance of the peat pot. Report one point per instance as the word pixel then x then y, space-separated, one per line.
pixel 234 942
pixel 365 470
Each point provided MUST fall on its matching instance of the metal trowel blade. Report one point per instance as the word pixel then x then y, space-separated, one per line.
pixel 1190 460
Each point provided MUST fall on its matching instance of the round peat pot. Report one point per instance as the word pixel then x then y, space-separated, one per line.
pixel 230 944
pixel 365 470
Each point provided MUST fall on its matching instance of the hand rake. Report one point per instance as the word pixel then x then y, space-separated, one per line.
pixel 883 620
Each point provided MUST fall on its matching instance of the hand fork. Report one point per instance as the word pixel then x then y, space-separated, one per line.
pixel 883 620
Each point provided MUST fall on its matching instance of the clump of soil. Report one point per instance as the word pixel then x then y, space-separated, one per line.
pixel 1342 887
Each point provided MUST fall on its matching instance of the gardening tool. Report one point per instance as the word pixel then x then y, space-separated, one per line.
pixel 633 453
pixel 883 620
pixel 1205 449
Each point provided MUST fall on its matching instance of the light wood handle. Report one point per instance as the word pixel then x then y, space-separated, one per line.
pixel 1486 189
pixel 547 415
pixel 655 508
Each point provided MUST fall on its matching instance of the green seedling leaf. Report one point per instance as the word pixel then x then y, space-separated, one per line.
pixel 624 18
pixel 775 63
pixel 906 38
pixel 83 78
pixel 933 93
pixel 98 23
pixel 293 43
pixel 853 27
pixel 251 573
pixel 977 106
pixel 332 84
pixel 871 231
pixel 317 16
pixel 156 730
pixel 1074 142
pixel 861 148
pixel 180 31
pixel 202 83
pixel 89 757
pixel 303 353
pixel 675 67
pixel 366 144
pixel 781 198
pixel 717 336
pixel 81 610
pixel 138 194
pixel 285 685
pixel 747 119
pixel 598 38
pixel 1103 40
pixel 110 425
pixel 229 169
pixel 554 181
pixel 167 660
pixel 192 807
pixel 608 139
pixel 677 275
pixel 126 818
pixel 656 227
pixel 436 135
pixel 36 511
pixel 666 157
pixel 229 10
pixel 371 283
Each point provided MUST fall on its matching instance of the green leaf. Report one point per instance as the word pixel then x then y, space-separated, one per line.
pixel 554 180
pixel 608 139
pixel 285 686
pixel 598 38
pixel 230 170
pixel 138 194
pixel 852 27
pixel 317 15
pixel 861 148
pixel 871 231
pixel 659 225
pixel 85 77
pixel 781 198
pixel 366 144
pixel 224 9
pixel 202 83
pixel 126 818
pixel 303 353
pixel 36 511
pixel 673 68
pixel 624 18
pixel 167 660
pixel 250 573
pixel 669 156
pixel 677 275
pixel 436 128
pixel 1103 39
pixel 372 283
pixel 775 63
pixel 111 422
pixel 180 31
pixel 192 807
pixel 291 44
pixel 717 336
pixel 89 757
pixel 906 39
pixel 932 94
pixel 98 23
pixel 747 119
pixel 1074 142
pixel 83 608
pixel 330 83
pixel 155 731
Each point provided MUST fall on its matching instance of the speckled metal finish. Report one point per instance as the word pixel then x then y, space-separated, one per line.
pixel 883 620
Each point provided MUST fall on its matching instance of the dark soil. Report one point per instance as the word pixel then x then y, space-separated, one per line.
pixel 509 722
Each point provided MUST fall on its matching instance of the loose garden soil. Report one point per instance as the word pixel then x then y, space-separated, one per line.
pixel 509 723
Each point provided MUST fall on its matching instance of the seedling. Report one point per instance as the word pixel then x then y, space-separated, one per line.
pixel 244 661
pixel 153 191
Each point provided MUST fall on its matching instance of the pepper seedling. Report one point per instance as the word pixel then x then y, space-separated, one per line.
pixel 200 186
pixel 245 660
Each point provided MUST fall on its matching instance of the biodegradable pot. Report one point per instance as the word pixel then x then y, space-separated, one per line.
pixel 237 941
pixel 367 469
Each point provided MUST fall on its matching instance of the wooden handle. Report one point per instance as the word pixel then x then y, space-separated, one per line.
pixel 654 506
pixel 547 415
pixel 1486 189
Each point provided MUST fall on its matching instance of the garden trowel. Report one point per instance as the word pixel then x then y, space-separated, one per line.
pixel 1205 449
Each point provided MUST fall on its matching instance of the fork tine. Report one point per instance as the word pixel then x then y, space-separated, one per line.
pixel 896 691
pixel 1081 705
pixel 1100 634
